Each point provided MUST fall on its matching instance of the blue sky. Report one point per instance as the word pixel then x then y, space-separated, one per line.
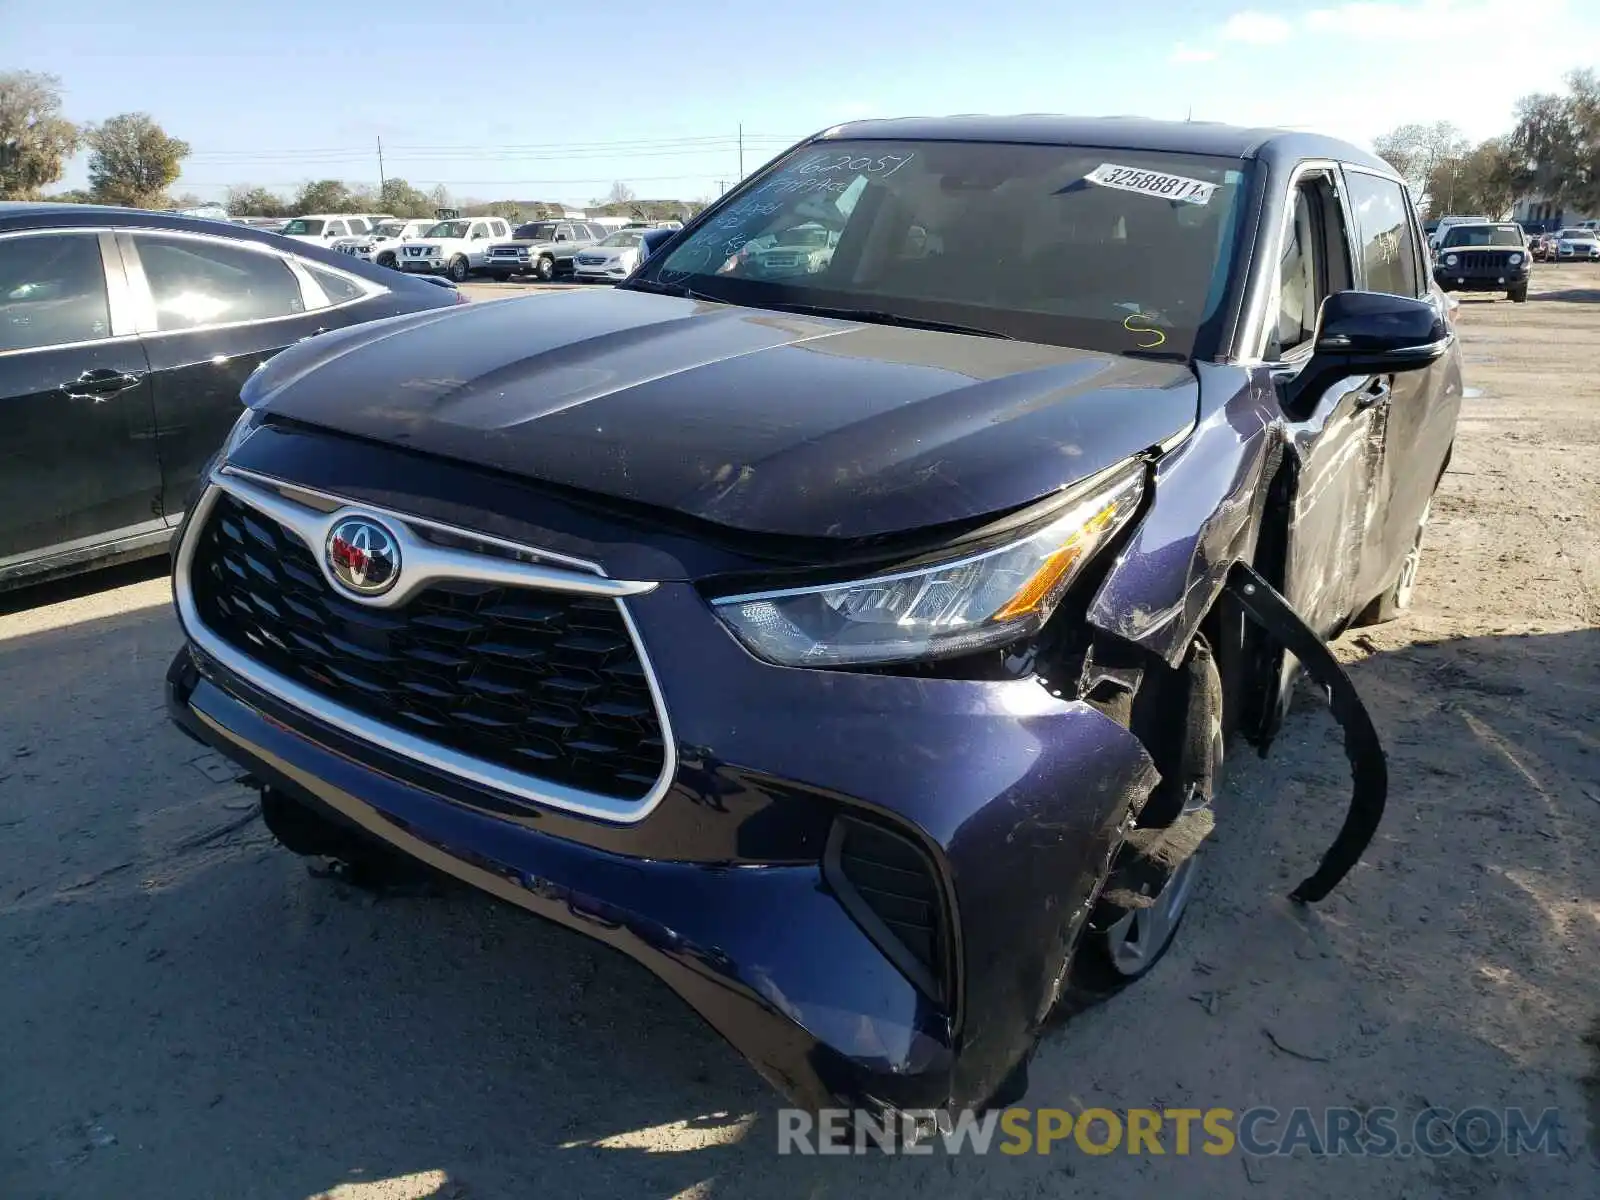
pixel 494 104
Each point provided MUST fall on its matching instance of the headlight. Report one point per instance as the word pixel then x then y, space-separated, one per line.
pixel 1515 259
pixel 1450 260
pixel 949 608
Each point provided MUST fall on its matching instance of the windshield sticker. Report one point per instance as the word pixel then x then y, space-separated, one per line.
pixel 1152 183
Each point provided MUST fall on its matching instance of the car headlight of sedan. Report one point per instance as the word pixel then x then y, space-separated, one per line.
pixel 1450 260
pixel 944 609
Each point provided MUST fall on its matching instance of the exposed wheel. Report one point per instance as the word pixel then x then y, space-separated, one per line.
pixel 1397 599
pixel 546 270
pixel 1125 940
pixel 460 268
pixel 1518 295
pixel 500 276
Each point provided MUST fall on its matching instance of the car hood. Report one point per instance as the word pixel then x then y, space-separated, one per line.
pixel 760 421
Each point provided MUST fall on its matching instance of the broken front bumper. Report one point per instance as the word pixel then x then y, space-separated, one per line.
pixel 730 891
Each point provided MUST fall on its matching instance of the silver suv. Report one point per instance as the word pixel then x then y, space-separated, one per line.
pixel 541 248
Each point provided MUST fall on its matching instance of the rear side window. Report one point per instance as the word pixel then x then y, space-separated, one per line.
pixel 1383 228
pixel 196 283
pixel 52 291
pixel 339 289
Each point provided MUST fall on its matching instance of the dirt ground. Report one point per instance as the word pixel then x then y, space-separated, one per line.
pixel 188 1013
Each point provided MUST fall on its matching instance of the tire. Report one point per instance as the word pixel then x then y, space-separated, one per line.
pixel 1123 944
pixel 459 268
pixel 1394 602
pixel 546 269
pixel 386 259
pixel 1518 295
pixel 500 276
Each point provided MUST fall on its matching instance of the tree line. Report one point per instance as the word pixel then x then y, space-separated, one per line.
pixel 132 160
pixel 1553 152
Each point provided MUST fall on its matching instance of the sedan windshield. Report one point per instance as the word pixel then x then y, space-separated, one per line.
pixel 1483 235
pixel 623 238
pixel 301 226
pixel 1576 235
pixel 1125 251
pixel 449 229
pixel 537 231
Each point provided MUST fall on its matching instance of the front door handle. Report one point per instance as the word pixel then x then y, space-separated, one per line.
pixel 100 384
pixel 1375 393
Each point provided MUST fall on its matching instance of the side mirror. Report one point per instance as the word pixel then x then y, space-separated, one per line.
pixel 1370 333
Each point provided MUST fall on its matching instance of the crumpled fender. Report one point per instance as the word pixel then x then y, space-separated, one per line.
pixel 1172 571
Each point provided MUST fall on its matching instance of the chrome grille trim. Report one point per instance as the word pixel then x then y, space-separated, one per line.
pixel 438 563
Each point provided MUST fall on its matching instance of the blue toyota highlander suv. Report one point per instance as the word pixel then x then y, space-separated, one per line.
pixel 856 648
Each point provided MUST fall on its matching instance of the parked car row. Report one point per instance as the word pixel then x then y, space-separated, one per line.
pixel 1574 244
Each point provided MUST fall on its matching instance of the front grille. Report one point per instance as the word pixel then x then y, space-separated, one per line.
pixel 544 683
pixel 889 877
pixel 591 260
pixel 1486 260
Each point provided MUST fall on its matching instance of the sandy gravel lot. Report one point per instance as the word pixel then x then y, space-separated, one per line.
pixel 188 1013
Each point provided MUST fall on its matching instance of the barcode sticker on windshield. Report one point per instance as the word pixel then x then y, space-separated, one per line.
pixel 1152 183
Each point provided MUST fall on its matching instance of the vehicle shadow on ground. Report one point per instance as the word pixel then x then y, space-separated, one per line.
pixel 189 1004
pixel 1571 296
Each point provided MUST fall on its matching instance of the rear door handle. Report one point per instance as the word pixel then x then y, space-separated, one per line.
pixel 1374 394
pixel 100 384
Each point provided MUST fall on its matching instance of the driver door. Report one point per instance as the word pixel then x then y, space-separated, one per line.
pixel 1338 436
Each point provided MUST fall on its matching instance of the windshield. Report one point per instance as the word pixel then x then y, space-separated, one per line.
pixel 389 229
pixel 1483 235
pixel 1577 233
pixel 1125 251
pixel 301 225
pixel 536 231
pixel 622 238
pixel 449 229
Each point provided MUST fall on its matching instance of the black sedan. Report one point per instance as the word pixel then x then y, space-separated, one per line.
pixel 124 339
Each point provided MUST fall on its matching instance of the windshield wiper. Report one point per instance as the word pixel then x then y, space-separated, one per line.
pixel 682 290
pixel 876 317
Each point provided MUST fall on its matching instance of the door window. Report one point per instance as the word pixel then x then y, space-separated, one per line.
pixel 335 229
pixel 359 225
pixel 196 283
pixel 1314 261
pixel 1383 222
pixel 479 230
pixel 52 291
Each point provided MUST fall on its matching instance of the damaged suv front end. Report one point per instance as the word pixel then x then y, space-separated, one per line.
pixel 858 658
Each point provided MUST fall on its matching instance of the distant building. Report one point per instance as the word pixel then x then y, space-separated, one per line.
pixel 1535 212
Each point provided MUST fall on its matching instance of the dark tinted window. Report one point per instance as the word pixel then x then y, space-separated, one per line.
pixel 1383 229
pixel 536 231
pixel 337 288
pixel 209 283
pixel 1484 235
pixel 52 291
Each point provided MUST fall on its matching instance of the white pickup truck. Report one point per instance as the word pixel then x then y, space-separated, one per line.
pixel 455 247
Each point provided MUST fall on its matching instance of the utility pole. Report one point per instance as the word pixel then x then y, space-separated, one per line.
pixel 741 149
pixel 381 180
pixel 722 186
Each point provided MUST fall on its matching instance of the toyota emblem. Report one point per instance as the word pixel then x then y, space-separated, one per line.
pixel 363 556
